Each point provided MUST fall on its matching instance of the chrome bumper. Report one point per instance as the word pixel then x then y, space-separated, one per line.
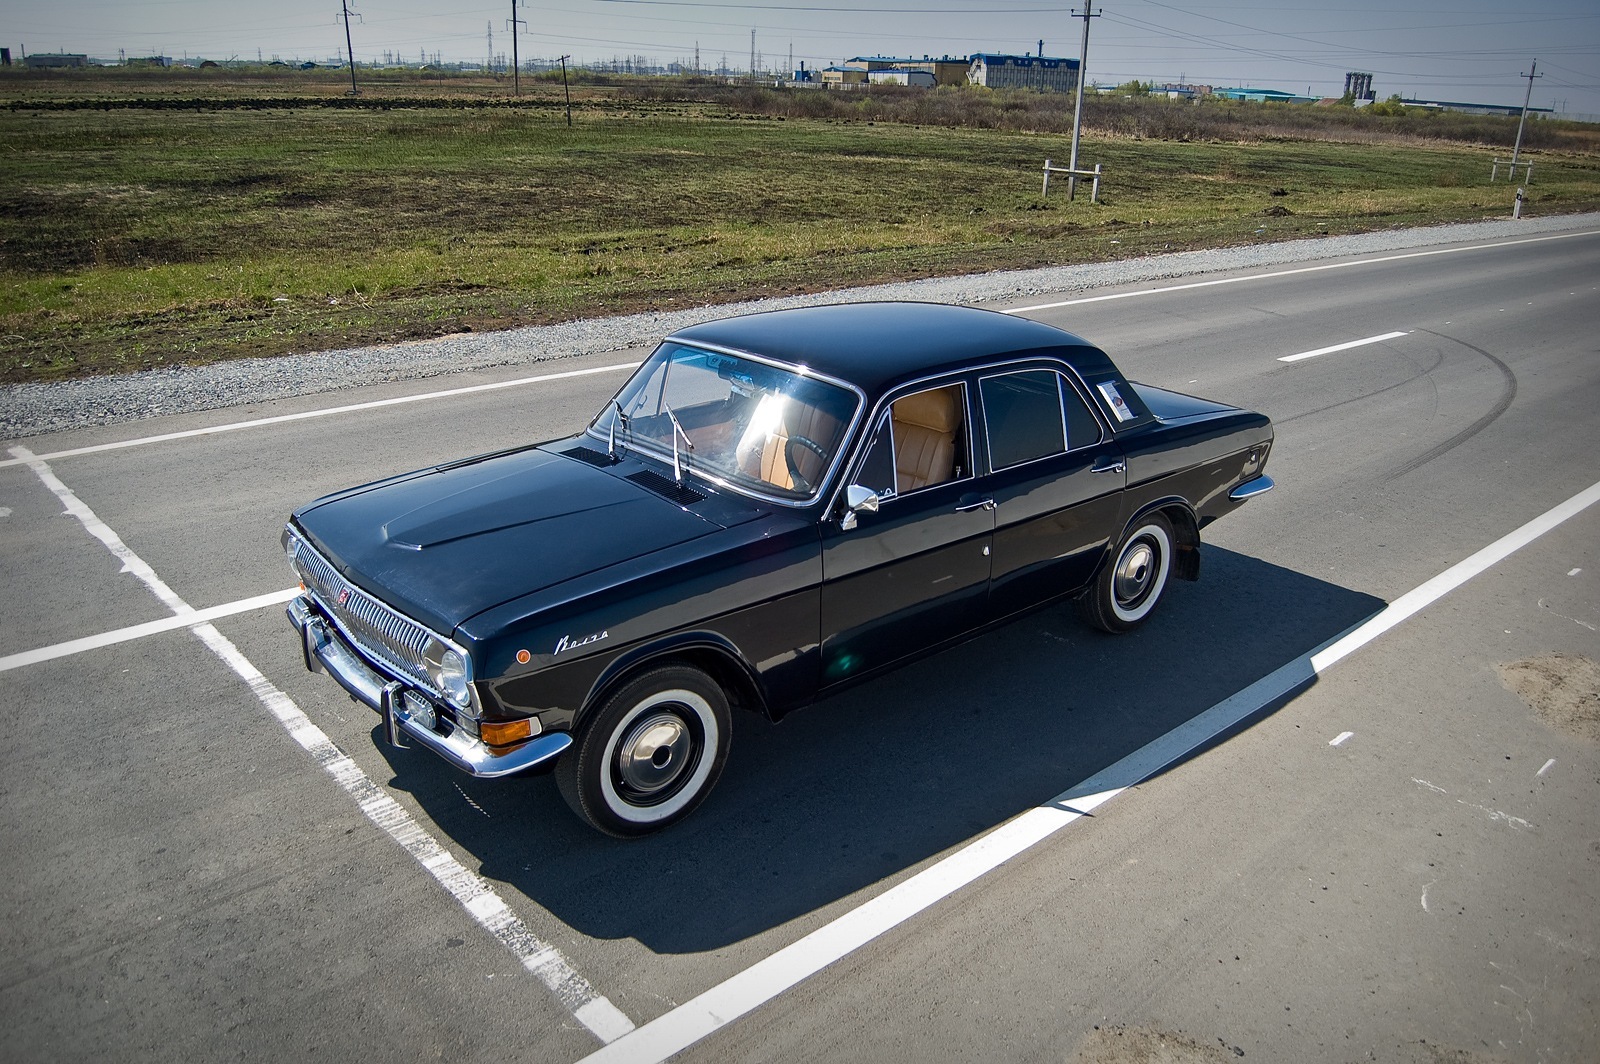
pixel 1251 488
pixel 326 650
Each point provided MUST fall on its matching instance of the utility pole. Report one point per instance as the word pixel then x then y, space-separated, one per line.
pixel 488 58
pixel 565 89
pixel 1077 109
pixel 752 52
pixel 697 58
pixel 349 48
pixel 1525 101
pixel 516 73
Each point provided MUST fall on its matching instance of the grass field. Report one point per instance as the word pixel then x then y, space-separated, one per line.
pixel 190 228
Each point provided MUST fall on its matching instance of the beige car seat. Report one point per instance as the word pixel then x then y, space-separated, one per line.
pixel 925 428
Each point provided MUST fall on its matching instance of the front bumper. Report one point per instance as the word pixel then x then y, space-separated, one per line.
pixel 326 650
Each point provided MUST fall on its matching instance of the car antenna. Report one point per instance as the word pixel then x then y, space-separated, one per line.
pixel 677 430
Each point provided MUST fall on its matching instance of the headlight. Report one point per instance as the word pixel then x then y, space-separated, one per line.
pixel 451 674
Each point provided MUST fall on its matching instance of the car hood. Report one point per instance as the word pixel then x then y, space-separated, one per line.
pixel 441 545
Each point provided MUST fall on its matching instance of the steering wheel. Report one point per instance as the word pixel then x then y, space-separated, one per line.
pixel 799 480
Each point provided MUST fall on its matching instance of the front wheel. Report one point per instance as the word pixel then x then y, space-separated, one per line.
pixel 650 754
pixel 1130 585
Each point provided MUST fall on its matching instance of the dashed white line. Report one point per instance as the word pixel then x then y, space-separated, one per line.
pixel 731 999
pixel 603 1019
pixel 1302 356
pixel 1548 765
pixel 1338 740
pixel 148 628
pixel 1291 273
pixel 306 415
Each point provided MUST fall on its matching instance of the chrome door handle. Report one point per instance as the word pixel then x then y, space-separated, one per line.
pixel 981 504
pixel 1116 465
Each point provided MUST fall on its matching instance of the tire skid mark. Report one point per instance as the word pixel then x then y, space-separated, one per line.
pixel 1421 373
pixel 1508 392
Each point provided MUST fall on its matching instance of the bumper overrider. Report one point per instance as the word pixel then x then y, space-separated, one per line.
pixel 404 708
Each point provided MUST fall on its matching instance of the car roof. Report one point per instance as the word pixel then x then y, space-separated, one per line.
pixel 877 345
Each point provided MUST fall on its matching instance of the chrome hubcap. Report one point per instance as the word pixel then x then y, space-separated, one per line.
pixel 654 754
pixel 1135 569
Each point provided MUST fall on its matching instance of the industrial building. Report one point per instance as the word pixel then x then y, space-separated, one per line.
pixel 1041 72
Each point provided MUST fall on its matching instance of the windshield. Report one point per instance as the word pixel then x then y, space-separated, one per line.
pixel 772 430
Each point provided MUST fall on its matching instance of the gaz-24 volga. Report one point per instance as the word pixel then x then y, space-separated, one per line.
pixel 772 507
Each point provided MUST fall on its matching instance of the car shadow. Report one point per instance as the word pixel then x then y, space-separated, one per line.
pixel 863 785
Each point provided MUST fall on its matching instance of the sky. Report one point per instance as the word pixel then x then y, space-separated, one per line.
pixel 1460 50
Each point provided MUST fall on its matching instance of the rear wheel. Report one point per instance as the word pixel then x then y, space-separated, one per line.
pixel 1129 587
pixel 650 754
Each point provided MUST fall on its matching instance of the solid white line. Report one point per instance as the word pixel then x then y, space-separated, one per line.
pixel 726 1002
pixel 306 415
pixel 1338 740
pixel 1302 356
pixel 603 1019
pixel 148 628
pixel 1291 273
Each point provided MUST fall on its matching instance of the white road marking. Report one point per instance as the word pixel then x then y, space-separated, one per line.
pixel 1302 356
pixel 1574 572
pixel 603 1019
pixel 1430 786
pixel 306 415
pixel 1291 273
pixel 148 628
pixel 1548 765
pixel 425 396
pixel 731 999
pixel 1338 740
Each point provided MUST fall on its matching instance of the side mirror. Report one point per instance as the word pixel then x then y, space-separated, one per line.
pixel 859 500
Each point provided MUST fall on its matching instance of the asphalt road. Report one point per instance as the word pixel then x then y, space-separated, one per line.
pixel 1399 860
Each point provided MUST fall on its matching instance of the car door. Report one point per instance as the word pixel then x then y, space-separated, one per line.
pixel 1056 478
pixel 914 573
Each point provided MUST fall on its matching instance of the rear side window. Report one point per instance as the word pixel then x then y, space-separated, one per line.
pixel 1032 414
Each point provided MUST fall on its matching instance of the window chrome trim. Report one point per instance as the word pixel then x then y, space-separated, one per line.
pixel 888 414
pixel 741 488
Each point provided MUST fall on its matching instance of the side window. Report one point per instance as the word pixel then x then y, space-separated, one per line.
pixel 877 470
pixel 1023 415
pixel 921 441
pixel 1082 428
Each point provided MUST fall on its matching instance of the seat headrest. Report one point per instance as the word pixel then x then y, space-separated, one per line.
pixel 936 409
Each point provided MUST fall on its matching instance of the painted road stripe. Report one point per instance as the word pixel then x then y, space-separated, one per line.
pixel 307 415
pixel 1291 273
pixel 1302 356
pixel 425 396
pixel 148 628
pixel 603 1019
pixel 729 1000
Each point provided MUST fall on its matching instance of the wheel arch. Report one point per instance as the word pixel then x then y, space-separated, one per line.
pixel 709 652
pixel 1185 532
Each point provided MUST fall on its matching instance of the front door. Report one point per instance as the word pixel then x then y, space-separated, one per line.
pixel 915 573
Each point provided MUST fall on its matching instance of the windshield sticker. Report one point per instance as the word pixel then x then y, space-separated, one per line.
pixel 1119 406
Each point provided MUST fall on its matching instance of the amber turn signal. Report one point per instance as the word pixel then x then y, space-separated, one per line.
pixel 499 733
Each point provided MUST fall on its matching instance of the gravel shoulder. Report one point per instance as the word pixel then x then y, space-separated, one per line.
pixel 34 409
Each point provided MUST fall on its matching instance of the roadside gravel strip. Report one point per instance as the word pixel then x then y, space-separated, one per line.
pixel 32 409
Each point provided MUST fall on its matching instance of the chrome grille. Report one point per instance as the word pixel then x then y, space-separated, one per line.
pixel 383 634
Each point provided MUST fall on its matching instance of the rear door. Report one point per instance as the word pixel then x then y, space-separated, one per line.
pixel 1056 478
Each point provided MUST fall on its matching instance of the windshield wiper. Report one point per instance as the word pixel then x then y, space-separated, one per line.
pixel 677 430
pixel 611 437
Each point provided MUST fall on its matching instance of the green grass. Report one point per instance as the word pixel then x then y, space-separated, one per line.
pixel 137 237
